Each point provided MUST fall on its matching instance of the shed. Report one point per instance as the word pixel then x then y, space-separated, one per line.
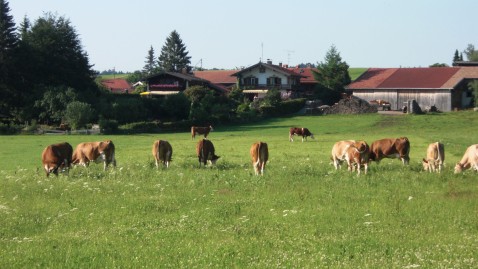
pixel 443 87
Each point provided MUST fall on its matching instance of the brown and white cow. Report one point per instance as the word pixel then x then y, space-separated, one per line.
pixel 259 154
pixel 304 132
pixel 469 160
pixel 390 148
pixel 162 152
pixel 435 157
pixel 355 153
pixel 201 131
pixel 206 152
pixel 103 151
pixel 57 156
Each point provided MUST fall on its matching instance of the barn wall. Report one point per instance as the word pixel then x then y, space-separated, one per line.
pixel 397 98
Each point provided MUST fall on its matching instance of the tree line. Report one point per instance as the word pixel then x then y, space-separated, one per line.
pixel 46 78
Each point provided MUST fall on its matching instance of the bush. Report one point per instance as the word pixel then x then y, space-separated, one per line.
pixel 8 129
pixel 140 127
pixel 108 126
pixel 78 114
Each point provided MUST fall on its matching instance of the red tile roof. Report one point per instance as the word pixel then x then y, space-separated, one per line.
pixel 411 78
pixel 419 78
pixel 117 85
pixel 307 73
pixel 217 76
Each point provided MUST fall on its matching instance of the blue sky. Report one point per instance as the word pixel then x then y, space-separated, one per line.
pixel 231 34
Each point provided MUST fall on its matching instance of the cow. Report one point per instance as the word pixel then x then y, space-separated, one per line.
pixel 201 131
pixel 469 160
pixel 355 153
pixel 57 156
pixel 103 151
pixel 390 148
pixel 339 152
pixel 206 152
pixel 162 152
pixel 259 154
pixel 304 132
pixel 435 157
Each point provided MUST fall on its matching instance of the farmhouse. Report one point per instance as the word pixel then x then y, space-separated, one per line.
pixel 167 83
pixel 258 79
pixel 117 85
pixel 443 87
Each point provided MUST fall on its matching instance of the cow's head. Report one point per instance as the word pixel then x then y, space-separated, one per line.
pixel 458 168
pixel 213 159
pixel 426 164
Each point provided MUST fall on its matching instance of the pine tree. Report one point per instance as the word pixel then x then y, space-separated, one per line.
pixel 332 76
pixel 174 56
pixel 150 63
pixel 8 40
pixel 456 57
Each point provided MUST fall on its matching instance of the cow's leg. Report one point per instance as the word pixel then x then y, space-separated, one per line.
pixel 291 138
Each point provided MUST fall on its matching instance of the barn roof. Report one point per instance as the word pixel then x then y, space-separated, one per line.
pixel 413 78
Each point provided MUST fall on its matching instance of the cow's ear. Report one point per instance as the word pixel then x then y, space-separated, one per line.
pixel 425 161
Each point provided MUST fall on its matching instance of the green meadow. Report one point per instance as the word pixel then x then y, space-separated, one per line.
pixel 301 214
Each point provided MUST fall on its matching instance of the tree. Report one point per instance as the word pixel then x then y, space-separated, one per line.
pixel 439 65
pixel 471 53
pixel 78 114
pixel 8 40
pixel 473 86
pixel 54 103
pixel 456 57
pixel 8 45
pixel 174 57
pixel 56 54
pixel 150 63
pixel 332 76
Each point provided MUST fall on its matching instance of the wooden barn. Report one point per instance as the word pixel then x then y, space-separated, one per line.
pixel 443 87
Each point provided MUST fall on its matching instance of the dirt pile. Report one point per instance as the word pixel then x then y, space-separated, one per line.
pixel 350 105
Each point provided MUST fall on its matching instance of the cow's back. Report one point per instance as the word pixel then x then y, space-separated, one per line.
pixel 55 156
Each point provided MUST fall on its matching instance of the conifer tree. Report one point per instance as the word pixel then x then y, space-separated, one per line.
pixel 8 40
pixel 174 56
pixel 150 63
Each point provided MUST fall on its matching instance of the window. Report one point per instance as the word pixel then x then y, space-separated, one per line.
pixel 250 81
pixel 274 81
pixel 262 69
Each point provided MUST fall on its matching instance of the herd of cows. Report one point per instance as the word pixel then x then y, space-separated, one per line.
pixel 356 154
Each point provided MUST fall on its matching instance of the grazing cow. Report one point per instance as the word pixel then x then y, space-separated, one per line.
pixel 260 155
pixel 469 160
pixel 206 152
pixel 435 157
pixel 390 148
pixel 339 152
pixel 304 132
pixel 356 153
pixel 56 156
pixel 201 131
pixel 87 152
pixel 162 152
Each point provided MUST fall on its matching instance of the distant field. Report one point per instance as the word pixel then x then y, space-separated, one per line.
pixel 103 77
pixel 301 214
pixel 356 72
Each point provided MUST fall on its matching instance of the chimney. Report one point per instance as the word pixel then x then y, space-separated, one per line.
pixel 269 61
pixel 280 64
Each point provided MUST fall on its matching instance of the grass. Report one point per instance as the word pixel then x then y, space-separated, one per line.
pixel 355 72
pixel 301 214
